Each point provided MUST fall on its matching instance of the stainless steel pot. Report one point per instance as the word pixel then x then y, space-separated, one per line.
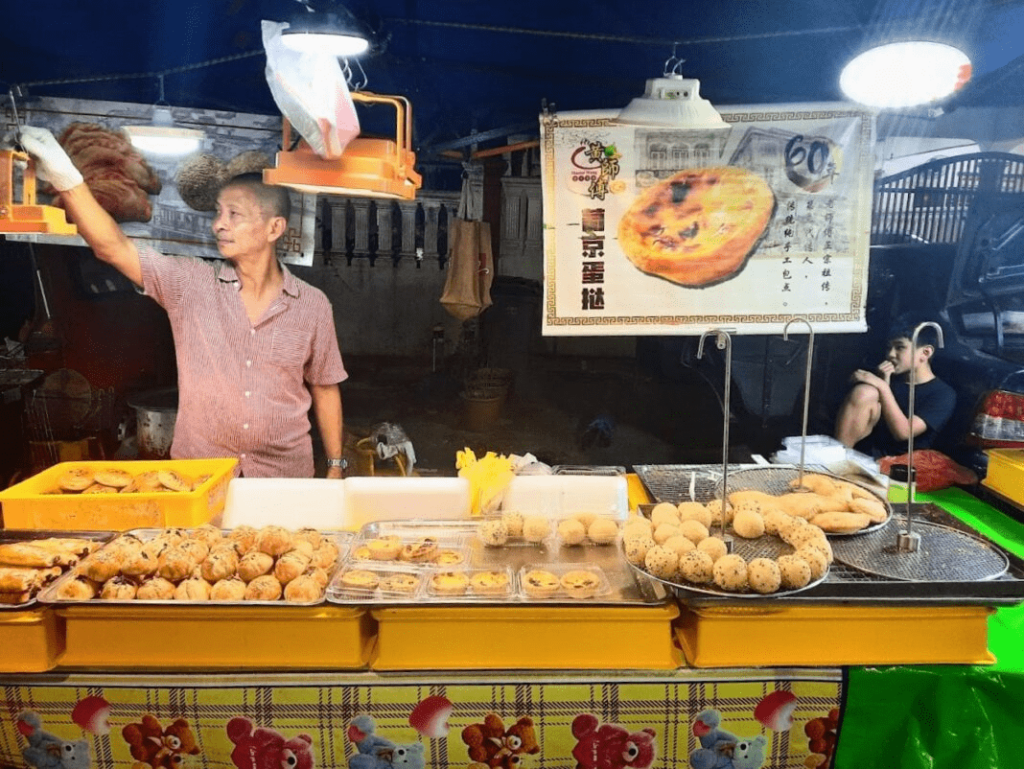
pixel 155 414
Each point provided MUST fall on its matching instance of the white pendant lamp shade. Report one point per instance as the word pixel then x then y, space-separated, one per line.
pixel 162 137
pixel 337 33
pixel 905 74
pixel 672 101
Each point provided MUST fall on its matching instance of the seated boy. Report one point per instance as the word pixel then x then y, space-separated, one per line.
pixel 874 416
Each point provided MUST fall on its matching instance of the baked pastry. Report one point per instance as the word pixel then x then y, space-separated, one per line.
pixel 698 227
pixel 244 536
pixel 360 579
pixel 175 564
pixel 603 531
pixel 155 589
pixel 143 483
pixel 490 583
pixel 27 554
pixel 264 588
pixel 400 583
pixel 326 555
pixel 320 576
pixel 73 545
pixel 694 511
pixel 449 583
pixel 794 572
pixel 449 558
pixel 219 565
pixel 155 547
pixel 696 566
pixel 494 532
pixel 197 548
pixel 730 573
pixel 580 583
pixel 635 548
pixel 571 531
pixel 717 511
pixel 661 562
pixel 694 531
pixel 99 488
pixel 310 535
pixel 536 528
pixel 102 565
pixel 763 575
pixel 384 548
pixel 748 523
pixel 78 588
pixel 290 565
pixel 207 533
pixel 420 551
pixel 192 589
pixel 273 540
pixel 816 560
pixel 16 579
pixel 664 512
pixel 679 544
pixel 142 564
pixel 714 547
pixel 303 546
pixel 254 564
pixel 173 480
pixel 871 507
pixel 118 589
pixel 303 589
pixel 540 583
pixel 513 523
pixel 665 531
pixel 75 480
pixel 637 525
pixel 230 589
pixel 586 517
pixel 114 478
pixel 361 553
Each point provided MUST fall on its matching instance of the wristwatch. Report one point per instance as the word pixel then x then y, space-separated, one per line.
pixel 339 463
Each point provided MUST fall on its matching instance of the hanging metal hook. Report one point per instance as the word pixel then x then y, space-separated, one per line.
pixel 807 390
pixel 909 541
pixel 723 342
pixel 673 63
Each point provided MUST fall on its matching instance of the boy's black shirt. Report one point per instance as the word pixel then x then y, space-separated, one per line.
pixel 934 402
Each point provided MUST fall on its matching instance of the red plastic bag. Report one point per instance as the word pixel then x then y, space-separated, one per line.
pixel 934 470
pixel 310 90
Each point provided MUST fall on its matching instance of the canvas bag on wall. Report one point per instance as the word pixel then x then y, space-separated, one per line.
pixel 467 289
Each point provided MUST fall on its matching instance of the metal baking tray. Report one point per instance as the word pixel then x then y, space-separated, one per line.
pixel 12 536
pixel 847 584
pixel 625 586
pixel 588 470
pixel 49 595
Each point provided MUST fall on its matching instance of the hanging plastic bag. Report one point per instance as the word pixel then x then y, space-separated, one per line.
pixel 310 90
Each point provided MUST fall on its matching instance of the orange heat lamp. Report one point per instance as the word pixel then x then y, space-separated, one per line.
pixel 375 168
pixel 27 216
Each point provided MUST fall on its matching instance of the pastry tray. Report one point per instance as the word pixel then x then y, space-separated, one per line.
pixel 670 483
pixel 13 536
pixel 620 585
pixel 49 594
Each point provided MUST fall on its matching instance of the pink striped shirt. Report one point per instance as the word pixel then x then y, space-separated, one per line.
pixel 243 387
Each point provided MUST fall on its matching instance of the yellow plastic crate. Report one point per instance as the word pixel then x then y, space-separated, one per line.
pixel 32 640
pixel 1006 473
pixel 32 504
pixel 834 635
pixel 324 637
pixel 526 637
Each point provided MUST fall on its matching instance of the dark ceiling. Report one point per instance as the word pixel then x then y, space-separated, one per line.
pixel 486 66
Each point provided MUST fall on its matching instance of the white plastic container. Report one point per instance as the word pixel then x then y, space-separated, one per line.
pixel 390 498
pixel 290 502
pixel 559 496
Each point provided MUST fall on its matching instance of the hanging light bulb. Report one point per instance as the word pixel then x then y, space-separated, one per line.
pixel 905 74
pixel 161 136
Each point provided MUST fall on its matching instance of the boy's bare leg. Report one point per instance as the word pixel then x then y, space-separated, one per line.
pixel 858 415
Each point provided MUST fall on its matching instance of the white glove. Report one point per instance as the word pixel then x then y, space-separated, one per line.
pixel 52 163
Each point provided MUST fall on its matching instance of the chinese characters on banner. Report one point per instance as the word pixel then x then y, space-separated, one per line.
pixel 652 230
pixel 175 228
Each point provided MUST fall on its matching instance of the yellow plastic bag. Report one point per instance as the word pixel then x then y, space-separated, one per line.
pixel 488 476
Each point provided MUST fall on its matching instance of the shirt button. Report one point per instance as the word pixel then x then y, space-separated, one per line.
pixel 245 426
pixel 247 393
pixel 252 332
pixel 241 456
pixel 248 363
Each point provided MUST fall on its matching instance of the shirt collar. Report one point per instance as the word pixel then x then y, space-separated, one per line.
pixel 226 274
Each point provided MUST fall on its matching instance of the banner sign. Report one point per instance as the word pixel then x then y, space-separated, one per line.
pixel 653 230
pixel 175 227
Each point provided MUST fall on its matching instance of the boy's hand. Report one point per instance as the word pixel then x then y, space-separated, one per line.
pixel 885 370
pixel 860 376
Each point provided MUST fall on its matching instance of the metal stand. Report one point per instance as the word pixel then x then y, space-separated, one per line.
pixel 723 342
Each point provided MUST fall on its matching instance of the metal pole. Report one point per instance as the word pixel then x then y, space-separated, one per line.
pixel 807 389
pixel 909 541
pixel 723 342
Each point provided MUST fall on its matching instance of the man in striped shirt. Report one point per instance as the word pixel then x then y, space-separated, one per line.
pixel 255 346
